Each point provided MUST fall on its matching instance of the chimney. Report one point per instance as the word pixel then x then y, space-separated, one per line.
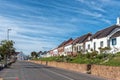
pixel 118 21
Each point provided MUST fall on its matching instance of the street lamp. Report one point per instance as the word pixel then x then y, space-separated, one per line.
pixel 6 58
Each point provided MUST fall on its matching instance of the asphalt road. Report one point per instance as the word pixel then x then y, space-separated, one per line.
pixel 30 71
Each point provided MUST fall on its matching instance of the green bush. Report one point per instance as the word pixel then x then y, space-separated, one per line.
pixel 89 58
pixel 117 54
pixel 88 55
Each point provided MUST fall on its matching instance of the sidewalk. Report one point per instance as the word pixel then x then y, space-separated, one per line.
pixel 5 74
pixel 1 78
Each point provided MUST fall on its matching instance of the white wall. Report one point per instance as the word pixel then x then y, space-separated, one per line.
pixel 115 48
pixel 55 51
pixel 68 48
pixel 97 41
pixel 79 45
pixel 86 46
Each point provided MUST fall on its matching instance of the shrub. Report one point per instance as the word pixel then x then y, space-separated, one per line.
pixel 93 54
pixel 88 55
pixel 117 54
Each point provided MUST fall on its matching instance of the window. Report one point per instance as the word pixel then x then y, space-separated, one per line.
pixel 79 48
pixel 88 46
pixel 101 44
pixel 108 43
pixel 114 42
pixel 94 45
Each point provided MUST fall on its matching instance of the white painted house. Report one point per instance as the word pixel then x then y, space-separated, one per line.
pixel 115 40
pixel 55 52
pixel 68 47
pixel 108 37
pixel 47 54
pixel 79 43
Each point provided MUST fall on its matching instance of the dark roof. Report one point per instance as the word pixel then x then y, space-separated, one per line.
pixel 17 53
pixel 105 32
pixel 82 39
pixel 62 44
pixel 68 41
pixel 65 42
pixel 116 34
pixel 76 40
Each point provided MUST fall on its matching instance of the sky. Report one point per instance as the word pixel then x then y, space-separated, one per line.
pixel 40 25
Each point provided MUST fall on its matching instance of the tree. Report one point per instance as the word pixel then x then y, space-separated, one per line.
pixel 7 49
pixel 34 54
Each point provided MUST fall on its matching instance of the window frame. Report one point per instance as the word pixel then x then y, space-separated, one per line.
pixel 101 43
pixel 114 41
pixel 94 45
pixel 88 46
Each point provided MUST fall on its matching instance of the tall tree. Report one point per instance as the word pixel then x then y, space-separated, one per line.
pixel 7 49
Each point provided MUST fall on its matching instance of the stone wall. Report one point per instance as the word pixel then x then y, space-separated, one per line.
pixel 112 73
pixel 69 66
pixel 109 72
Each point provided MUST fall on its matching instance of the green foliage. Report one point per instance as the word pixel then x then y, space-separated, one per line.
pixel 49 59
pixel 102 56
pixel 115 61
pixel 34 54
pixel 88 55
pixel 7 48
pixel 118 54
pixel 104 50
pixel 91 55
pixel 89 58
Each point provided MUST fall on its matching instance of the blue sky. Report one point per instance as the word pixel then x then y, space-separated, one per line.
pixel 43 24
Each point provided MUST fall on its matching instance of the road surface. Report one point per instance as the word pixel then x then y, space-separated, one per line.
pixel 22 70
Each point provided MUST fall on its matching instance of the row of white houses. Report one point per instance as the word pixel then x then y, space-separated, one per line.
pixel 108 37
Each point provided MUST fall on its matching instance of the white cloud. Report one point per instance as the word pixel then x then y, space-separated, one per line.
pixel 29 43
pixel 43 26
pixel 95 5
pixel 22 42
pixel 93 14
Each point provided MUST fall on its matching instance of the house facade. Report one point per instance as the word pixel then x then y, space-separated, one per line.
pixel 55 52
pixel 51 52
pixel 68 50
pixel 61 48
pixel 115 41
pixel 47 54
pixel 108 37
pixel 96 44
pixel 21 56
pixel 79 43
